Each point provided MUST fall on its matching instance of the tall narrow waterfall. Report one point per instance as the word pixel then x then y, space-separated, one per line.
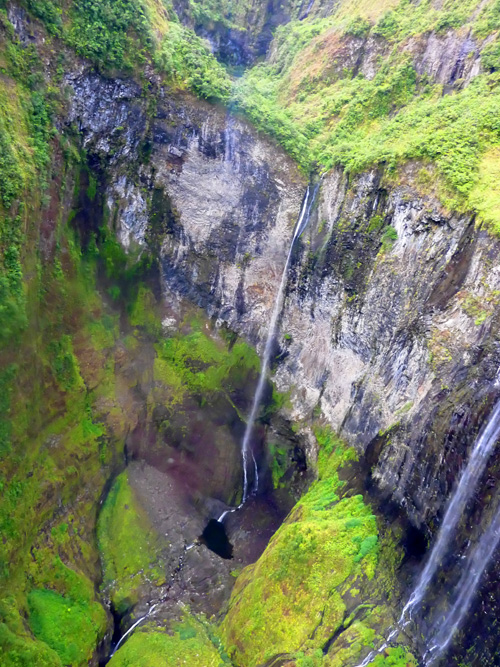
pixel 476 563
pixel 466 486
pixel 463 493
pixel 305 213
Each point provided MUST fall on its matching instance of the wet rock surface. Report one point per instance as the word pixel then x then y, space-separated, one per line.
pixel 196 577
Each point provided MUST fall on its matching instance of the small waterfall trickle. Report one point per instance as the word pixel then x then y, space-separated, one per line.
pixel 174 574
pixel 305 213
pixel 132 628
pixel 466 487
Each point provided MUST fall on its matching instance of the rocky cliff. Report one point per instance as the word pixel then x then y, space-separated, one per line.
pixel 179 206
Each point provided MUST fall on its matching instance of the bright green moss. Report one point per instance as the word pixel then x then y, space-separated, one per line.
pixel 332 454
pixel 129 547
pixel 72 629
pixel 294 592
pixel 395 657
pixel 23 651
pixel 202 365
pixel 189 644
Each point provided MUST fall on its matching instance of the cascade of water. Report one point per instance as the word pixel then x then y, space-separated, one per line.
pixel 463 493
pixel 305 212
pixel 465 590
pixel 132 628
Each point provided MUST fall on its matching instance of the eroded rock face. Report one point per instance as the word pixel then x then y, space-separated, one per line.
pixel 389 324
pixel 395 342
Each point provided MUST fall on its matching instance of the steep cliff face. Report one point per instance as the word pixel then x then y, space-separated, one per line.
pixel 390 312
pixel 388 334
pixel 393 323
pixel 389 325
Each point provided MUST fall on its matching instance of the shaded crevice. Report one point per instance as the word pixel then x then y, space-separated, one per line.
pixel 214 537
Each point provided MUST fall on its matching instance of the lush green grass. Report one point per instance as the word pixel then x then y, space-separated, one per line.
pixel 188 644
pixel 130 549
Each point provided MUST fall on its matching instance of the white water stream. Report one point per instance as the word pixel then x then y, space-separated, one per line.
pixel 266 356
pixel 132 628
pixel 469 479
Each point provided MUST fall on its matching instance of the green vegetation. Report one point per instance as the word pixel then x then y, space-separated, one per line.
pixel 200 365
pixel 191 643
pixel 184 57
pixel 127 34
pixel 396 657
pixel 323 112
pixel 129 547
pixel 54 448
pixel 22 650
pixel 292 597
pixel 279 463
pixel 70 627
pixel 389 236
pixel 60 434
pixel 101 30
pixel 143 312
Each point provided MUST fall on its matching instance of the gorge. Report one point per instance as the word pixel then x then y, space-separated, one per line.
pixel 249 260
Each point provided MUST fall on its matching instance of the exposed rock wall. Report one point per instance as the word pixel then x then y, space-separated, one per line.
pixel 392 339
pixel 395 340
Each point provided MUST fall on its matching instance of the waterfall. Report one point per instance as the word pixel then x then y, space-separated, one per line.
pixel 132 628
pixel 465 590
pixel 305 213
pixel 463 493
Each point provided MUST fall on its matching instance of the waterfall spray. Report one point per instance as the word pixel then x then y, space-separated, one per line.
pixel 463 493
pixel 305 213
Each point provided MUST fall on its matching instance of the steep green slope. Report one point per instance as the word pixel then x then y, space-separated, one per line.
pixel 350 90
pixel 64 409
pixel 319 593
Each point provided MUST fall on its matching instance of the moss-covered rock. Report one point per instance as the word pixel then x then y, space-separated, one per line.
pixel 293 596
pixel 130 549
pixel 187 644
pixel 71 627
pixel 22 651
